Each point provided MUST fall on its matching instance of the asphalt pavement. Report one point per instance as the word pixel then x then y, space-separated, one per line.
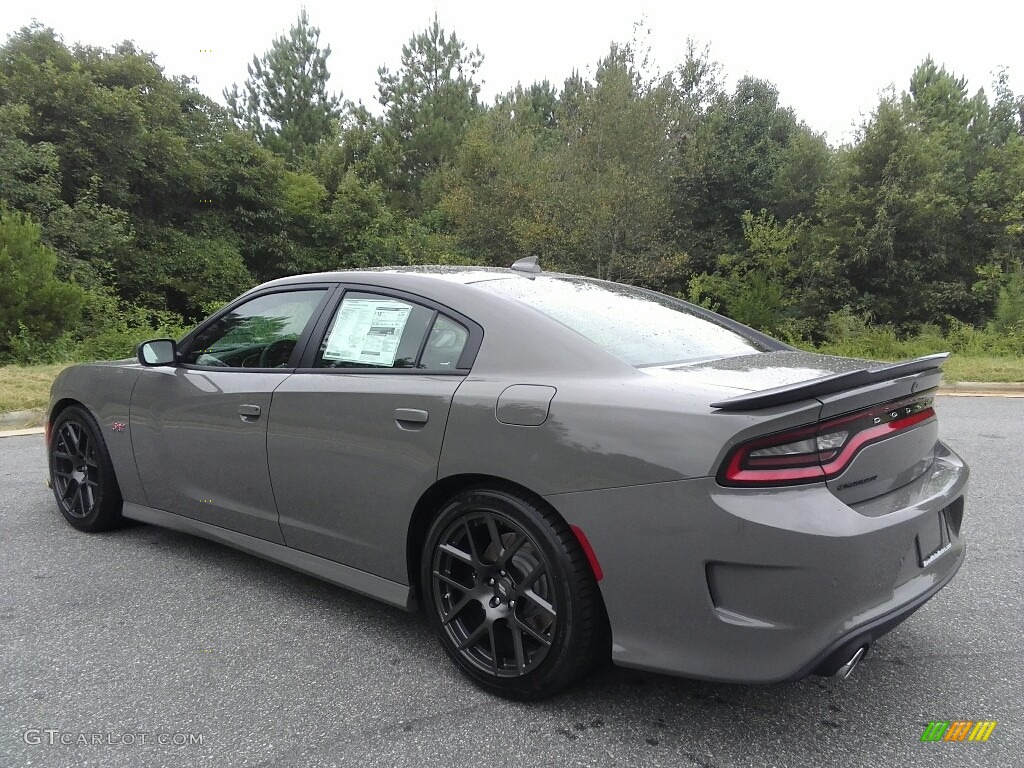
pixel 145 647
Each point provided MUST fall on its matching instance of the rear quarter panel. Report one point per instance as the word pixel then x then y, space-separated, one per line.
pixel 600 432
pixel 105 390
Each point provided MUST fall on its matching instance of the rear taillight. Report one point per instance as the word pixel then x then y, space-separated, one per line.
pixel 815 453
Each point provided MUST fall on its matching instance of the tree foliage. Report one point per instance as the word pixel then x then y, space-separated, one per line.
pixel 32 300
pixel 133 203
pixel 285 101
pixel 428 103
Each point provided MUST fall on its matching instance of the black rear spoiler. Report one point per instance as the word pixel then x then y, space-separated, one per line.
pixel 790 393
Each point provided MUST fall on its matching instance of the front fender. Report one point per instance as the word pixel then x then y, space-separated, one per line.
pixel 105 390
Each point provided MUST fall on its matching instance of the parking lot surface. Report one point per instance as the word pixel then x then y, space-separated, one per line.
pixel 155 648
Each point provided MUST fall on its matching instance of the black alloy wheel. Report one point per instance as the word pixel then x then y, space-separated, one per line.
pixel 81 473
pixel 511 594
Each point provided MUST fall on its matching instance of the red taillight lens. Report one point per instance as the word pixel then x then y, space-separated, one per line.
pixel 811 454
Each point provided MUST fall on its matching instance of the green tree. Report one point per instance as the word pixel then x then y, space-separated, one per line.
pixel 922 200
pixel 428 104
pixel 29 171
pixel 582 182
pixel 285 101
pixel 612 178
pixel 31 297
pixel 737 152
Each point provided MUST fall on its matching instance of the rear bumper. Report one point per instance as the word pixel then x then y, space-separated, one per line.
pixel 832 658
pixel 765 585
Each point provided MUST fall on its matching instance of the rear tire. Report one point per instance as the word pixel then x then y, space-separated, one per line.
pixel 81 473
pixel 511 595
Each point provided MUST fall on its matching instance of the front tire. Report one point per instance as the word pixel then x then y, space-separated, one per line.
pixel 81 473
pixel 511 595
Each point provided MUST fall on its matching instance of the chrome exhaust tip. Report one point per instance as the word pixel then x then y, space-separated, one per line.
pixel 847 669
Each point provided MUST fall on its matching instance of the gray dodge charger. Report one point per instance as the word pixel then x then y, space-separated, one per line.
pixel 558 470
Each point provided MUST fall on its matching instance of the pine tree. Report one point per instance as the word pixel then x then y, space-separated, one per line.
pixel 428 104
pixel 286 103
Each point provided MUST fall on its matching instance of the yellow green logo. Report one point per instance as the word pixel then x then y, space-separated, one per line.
pixel 958 730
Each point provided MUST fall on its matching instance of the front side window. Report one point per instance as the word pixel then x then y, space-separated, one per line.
pixel 259 333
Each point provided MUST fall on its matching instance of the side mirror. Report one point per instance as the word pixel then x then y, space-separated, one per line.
pixel 158 352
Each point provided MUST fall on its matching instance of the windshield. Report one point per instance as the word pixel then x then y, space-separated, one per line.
pixel 640 327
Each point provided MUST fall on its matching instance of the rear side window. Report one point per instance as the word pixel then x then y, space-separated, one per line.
pixel 377 331
pixel 444 345
pixel 640 327
pixel 374 331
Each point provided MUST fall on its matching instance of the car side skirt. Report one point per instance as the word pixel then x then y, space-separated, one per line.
pixel 364 583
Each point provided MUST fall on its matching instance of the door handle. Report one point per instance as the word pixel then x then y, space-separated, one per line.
pixel 247 412
pixel 410 416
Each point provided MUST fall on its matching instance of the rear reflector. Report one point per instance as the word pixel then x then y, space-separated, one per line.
pixel 588 550
pixel 815 453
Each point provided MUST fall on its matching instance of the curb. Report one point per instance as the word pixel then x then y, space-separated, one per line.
pixel 978 388
pixel 22 432
pixel 21 419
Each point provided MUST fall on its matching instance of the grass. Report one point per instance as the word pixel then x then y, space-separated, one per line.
pixel 26 386
pixel 983 368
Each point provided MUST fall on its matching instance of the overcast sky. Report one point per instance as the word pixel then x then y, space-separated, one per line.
pixel 828 60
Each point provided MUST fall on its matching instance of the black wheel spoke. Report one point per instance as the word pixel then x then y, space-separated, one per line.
pixel 458 554
pixel 540 602
pixel 531 578
pixel 494 648
pixel 492 529
pixel 63 456
pixel 75 444
pixel 89 496
pixel 508 552
pixel 533 633
pixel 472 544
pixel 78 502
pixel 475 635
pixel 451 582
pixel 447 618
pixel 517 641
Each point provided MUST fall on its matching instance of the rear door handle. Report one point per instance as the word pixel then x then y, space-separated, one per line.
pixel 247 412
pixel 410 416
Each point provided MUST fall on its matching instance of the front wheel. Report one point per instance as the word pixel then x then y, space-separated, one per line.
pixel 511 595
pixel 81 473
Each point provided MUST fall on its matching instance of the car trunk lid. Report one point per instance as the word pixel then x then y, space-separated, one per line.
pixel 876 428
pixel 906 406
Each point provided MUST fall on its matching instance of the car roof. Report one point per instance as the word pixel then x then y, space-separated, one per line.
pixel 522 340
pixel 466 275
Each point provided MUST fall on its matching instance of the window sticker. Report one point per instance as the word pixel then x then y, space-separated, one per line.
pixel 367 331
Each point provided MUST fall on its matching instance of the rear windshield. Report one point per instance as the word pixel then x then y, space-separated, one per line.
pixel 640 327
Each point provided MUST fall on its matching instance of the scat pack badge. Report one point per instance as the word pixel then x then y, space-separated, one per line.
pixel 118 426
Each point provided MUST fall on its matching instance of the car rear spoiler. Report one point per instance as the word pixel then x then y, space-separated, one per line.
pixel 790 393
